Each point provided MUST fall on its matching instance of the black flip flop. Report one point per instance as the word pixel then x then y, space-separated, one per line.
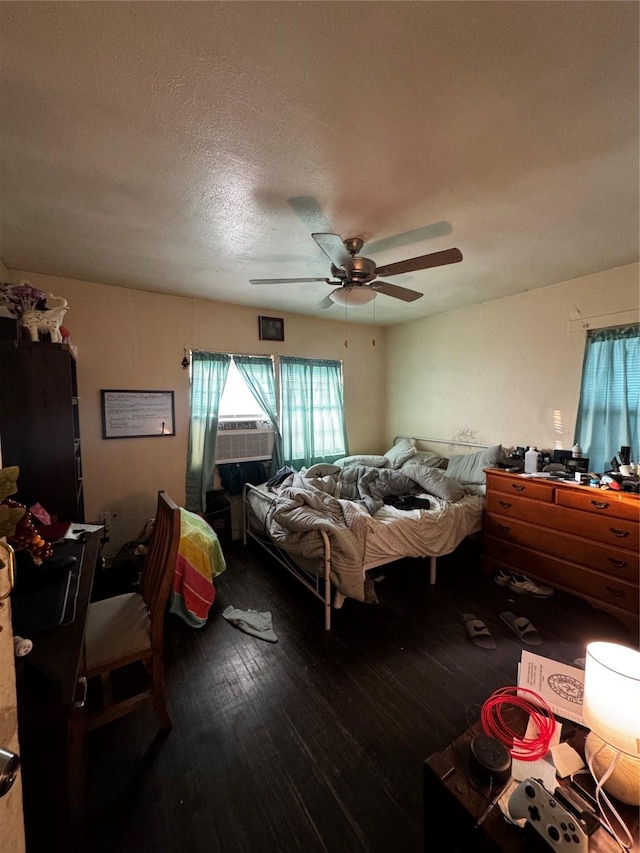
pixel 478 631
pixel 522 628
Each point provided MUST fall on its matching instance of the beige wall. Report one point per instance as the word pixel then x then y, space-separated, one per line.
pixel 504 372
pixel 507 371
pixel 133 339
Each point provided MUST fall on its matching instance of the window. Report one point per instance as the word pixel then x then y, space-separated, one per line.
pixel 609 396
pixel 237 399
pixel 308 426
pixel 312 415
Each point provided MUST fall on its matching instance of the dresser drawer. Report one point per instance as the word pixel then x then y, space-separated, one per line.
pixel 608 531
pixel 515 506
pixel 606 503
pixel 512 484
pixel 604 558
pixel 565 575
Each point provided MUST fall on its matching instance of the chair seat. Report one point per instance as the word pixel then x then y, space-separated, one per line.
pixel 118 629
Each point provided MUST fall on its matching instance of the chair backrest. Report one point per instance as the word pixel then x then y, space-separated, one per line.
pixel 160 562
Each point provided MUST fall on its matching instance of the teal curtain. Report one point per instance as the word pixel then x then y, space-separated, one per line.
pixel 257 372
pixel 608 408
pixel 208 376
pixel 312 416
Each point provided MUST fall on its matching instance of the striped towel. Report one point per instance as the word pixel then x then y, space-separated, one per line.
pixel 200 560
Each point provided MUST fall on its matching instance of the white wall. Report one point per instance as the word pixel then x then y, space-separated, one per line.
pixel 507 371
pixel 131 339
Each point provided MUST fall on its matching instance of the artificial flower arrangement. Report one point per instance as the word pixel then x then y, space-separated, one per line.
pixel 19 298
pixel 16 522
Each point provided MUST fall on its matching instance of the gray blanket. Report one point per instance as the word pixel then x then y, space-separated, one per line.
pixel 338 505
pixel 372 485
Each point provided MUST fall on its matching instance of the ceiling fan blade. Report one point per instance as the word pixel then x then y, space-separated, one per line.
pixel 394 290
pixel 334 249
pixel 327 302
pixel 417 235
pixel 288 280
pixel 435 259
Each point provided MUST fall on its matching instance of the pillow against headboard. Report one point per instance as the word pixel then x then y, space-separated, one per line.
pixel 424 457
pixel 469 467
pixel 402 450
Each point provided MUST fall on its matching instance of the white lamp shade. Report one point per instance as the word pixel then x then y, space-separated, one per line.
pixel 611 700
pixel 359 294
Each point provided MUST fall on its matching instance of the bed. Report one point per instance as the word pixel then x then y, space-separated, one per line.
pixel 331 525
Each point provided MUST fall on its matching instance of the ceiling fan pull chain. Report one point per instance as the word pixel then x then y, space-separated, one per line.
pixel 373 342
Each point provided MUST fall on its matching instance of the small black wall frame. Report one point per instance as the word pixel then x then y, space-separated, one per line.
pixel 271 328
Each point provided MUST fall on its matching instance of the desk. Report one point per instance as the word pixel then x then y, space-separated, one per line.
pixel 51 691
pixel 454 801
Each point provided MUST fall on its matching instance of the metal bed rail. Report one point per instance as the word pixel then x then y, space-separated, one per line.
pixel 318 584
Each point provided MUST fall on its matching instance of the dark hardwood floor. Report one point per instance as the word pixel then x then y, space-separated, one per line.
pixel 315 743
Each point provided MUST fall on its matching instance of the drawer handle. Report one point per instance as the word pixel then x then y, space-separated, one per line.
pixel 505 504
pixel 85 684
pixel 620 564
pixel 619 533
pixel 618 593
pixel 600 504
pixel 517 487
pixel 504 528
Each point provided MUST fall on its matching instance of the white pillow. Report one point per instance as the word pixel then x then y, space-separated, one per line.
pixel 370 461
pixel 402 450
pixel 424 457
pixel 469 468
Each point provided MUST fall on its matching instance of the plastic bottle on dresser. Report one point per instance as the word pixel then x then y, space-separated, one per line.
pixel 531 461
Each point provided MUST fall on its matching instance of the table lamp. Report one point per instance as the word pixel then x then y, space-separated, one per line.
pixel 611 709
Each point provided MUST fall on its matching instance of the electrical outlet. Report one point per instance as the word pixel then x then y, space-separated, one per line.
pixel 105 521
pixel 115 513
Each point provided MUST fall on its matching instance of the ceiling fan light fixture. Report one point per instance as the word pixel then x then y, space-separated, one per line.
pixel 352 296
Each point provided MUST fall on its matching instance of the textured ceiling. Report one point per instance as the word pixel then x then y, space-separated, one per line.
pixel 188 147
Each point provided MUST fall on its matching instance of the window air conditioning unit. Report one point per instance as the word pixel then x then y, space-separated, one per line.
pixel 244 441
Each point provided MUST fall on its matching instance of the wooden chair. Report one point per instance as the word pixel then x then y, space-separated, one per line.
pixel 128 628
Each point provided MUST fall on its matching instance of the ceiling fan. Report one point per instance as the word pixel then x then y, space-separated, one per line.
pixel 357 276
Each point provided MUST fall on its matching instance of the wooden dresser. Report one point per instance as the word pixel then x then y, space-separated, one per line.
pixel 576 538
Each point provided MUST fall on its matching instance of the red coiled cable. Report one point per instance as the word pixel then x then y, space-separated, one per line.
pixel 495 725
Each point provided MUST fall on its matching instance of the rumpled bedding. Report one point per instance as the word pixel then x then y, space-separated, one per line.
pixel 362 530
pixel 199 561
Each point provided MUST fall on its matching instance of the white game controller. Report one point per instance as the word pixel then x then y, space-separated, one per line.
pixel 553 822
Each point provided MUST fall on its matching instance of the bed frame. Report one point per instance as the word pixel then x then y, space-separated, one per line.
pixel 319 585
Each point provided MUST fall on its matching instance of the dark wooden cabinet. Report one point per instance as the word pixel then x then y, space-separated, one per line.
pixel 40 425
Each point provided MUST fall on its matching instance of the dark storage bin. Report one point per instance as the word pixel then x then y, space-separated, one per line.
pixel 218 515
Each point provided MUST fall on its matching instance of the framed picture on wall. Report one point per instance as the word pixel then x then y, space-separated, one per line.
pixel 271 328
